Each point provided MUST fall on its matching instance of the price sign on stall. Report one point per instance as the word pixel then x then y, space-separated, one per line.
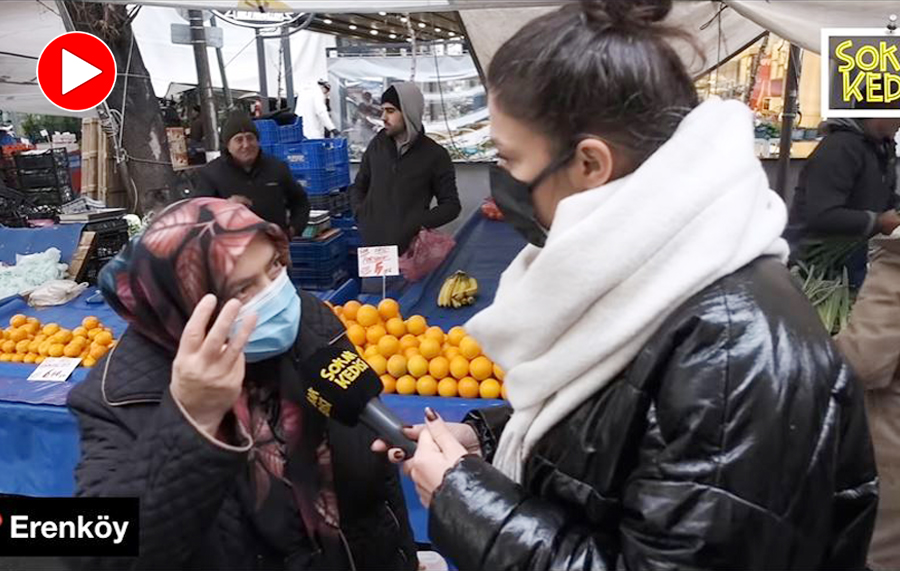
pixel 378 261
pixel 55 369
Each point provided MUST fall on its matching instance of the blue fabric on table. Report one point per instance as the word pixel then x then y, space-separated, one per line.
pixel 13 384
pixel 64 237
pixel 484 249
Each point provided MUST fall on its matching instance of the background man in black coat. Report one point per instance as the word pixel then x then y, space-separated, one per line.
pixel 402 172
pixel 245 174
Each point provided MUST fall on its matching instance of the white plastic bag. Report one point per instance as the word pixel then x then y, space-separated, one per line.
pixel 56 292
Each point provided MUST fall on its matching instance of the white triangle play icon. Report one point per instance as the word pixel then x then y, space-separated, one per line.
pixel 76 71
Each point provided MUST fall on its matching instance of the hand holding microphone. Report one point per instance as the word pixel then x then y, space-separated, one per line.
pixel 344 387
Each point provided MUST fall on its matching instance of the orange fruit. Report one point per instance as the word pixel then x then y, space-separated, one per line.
pixel 31 328
pixel 90 322
pixel 427 386
pixel 89 362
pixel 33 346
pixel 451 353
pixel 371 351
pixel 350 309
pixel 50 329
pixel 439 367
pixel 62 336
pixel 9 346
pixel 481 368
pixel 40 337
pixel 503 391
pixel 416 325
pixel 378 364
pixel 32 320
pixel 44 348
pixel 435 333
pixel 489 389
pixel 375 333
pixel 388 346
pixel 97 351
pixel 389 384
pixel 447 387
pixel 467 387
pixel 72 350
pixel 338 310
pixel 5 357
pixel 18 320
pixel 18 334
pixel 359 349
pixel 430 348
pixel 39 359
pixel 408 341
pixel 499 373
pixel 104 338
pixel 22 346
pixel 469 348
pixel 396 366
pixel 411 352
pixel 17 358
pixel 417 366
pixel 406 385
pixel 459 367
pixel 356 334
pixel 80 332
pixel 367 316
pixel 29 358
pixel 56 350
pixel 455 335
pixel 3 334
pixel 388 308
pixel 396 327
pixel 93 333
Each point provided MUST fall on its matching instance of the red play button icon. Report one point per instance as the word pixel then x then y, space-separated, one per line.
pixel 76 71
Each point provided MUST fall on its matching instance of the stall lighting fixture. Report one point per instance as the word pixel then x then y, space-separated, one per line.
pixel 404 19
pixel 382 13
pixel 373 32
pixel 421 24
pixel 352 27
pixel 437 30
pixel 452 34
pixel 328 21
pixel 393 36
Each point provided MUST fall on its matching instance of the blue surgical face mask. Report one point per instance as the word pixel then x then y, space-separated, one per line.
pixel 277 310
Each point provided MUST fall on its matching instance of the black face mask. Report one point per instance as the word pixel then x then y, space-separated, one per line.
pixel 513 198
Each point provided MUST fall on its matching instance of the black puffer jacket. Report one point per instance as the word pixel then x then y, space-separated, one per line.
pixel 136 442
pixel 736 439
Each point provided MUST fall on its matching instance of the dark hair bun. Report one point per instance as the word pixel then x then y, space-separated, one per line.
pixel 625 13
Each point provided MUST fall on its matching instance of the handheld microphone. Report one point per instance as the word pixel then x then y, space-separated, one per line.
pixel 344 387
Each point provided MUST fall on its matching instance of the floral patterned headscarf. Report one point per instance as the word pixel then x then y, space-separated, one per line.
pixel 188 251
pixel 156 281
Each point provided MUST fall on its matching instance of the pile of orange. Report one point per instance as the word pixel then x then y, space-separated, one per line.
pixel 26 340
pixel 413 358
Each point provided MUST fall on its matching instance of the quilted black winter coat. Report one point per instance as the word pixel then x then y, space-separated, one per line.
pixel 136 442
pixel 736 439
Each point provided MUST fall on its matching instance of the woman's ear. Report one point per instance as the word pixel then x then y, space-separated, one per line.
pixel 593 164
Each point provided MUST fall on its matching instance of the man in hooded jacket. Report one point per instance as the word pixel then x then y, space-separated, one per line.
pixel 402 172
pixel 847 189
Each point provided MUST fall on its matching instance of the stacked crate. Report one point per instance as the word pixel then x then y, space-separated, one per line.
pixel 43 176
pixel 319 264
pixel 111 237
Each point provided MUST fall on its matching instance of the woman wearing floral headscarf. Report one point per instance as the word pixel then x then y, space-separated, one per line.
pixel 196 410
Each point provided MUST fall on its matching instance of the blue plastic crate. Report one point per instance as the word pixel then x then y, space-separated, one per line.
pixel 268 131
pixel 292 133
pixel 336 202
pixel 315 182
pixel 321 282
pixel 309 155
pixel 311 252
pixel 340 153
pixel 273 149
pixel 346 223
pixel 341 177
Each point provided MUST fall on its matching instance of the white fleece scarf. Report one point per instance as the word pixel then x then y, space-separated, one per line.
pixel 619 259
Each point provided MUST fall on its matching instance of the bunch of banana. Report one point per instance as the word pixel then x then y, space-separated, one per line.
pixel 458 290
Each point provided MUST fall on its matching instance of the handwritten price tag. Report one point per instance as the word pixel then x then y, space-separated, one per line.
pixel 378 261
pixel 56 369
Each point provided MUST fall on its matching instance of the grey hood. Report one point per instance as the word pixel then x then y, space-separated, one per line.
pixel 843 124
pixel 412 105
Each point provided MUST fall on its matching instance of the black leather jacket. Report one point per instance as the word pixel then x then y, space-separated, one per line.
pixel 736 439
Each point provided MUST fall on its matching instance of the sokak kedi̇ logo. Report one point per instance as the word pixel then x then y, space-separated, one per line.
pixel 860 73
pixel 106 527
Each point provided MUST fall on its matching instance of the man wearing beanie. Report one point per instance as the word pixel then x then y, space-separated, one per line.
pixel 402 175
pixel 245 174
